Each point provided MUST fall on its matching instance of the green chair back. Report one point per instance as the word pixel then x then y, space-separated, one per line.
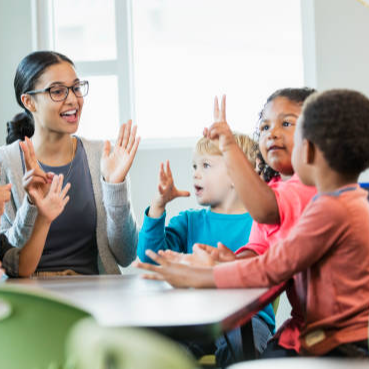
pixel 33 328
pixel 92 347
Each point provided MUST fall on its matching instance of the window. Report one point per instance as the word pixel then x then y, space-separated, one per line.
pixel 184 52
pixel 187 51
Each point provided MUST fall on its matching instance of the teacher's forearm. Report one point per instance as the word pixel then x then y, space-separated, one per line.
pixel 30 254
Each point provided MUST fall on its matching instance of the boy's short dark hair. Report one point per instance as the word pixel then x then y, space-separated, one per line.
pixel 337 121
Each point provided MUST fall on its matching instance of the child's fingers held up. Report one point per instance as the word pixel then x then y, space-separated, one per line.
pixel 223 109
pixel 162 174
pixel 169 172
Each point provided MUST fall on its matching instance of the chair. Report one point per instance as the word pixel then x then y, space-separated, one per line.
pixel 304 363
pixel 33 328
pixel 93 347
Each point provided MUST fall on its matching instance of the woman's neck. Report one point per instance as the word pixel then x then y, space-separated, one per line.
pixel 54 149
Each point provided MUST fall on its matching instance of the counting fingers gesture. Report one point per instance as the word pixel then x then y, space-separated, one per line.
pixel 50 206
pixel 220 129
pixel 167 191
pixel 35 177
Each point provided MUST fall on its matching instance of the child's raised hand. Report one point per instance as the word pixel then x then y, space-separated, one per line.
pixel 220 129
pixel 51 205
pixel 167 191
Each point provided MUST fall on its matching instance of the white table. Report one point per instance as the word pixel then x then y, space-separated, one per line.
pixel 130 301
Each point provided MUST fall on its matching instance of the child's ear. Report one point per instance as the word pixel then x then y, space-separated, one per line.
pixel 28 102
pixel 309 152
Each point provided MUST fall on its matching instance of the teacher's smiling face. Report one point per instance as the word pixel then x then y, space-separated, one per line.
pixel 57 116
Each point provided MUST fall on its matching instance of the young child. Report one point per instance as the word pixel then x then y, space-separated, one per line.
pixel 49 206
pixel 327 252
pixel 214 189
pixel 225 219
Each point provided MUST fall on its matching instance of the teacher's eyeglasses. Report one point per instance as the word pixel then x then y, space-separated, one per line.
pixel 60 92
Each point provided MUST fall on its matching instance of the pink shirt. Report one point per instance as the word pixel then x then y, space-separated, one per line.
pixel 292 197
pixel 327 253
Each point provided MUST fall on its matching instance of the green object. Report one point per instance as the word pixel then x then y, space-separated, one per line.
pixel 33 328
pixel 93 347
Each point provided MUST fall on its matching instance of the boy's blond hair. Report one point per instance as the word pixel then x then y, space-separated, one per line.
pixel 248 146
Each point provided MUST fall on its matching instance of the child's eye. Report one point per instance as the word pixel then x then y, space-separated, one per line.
pixel 264 127
pixel 287 124
pixel 206 165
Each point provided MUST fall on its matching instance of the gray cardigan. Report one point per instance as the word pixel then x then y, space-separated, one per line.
pixel 116 230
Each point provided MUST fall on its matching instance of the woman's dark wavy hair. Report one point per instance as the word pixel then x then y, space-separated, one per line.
pixel 337 122
pixel 297 95
pixel 28 73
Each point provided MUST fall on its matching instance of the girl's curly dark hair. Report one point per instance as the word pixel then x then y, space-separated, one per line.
pixel 297 95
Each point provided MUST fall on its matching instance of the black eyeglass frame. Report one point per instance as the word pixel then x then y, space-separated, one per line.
pixel 84 83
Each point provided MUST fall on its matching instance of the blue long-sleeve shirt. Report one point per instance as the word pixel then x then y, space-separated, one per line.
pixel 197 226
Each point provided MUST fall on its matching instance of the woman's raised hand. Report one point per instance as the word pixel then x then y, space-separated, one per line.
pixel 51 205
pixel 167 191
pixel 34 177
pixel 116 163
pixel 220 129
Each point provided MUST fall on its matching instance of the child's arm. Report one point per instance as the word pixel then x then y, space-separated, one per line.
pixel 167 192
pixel 258 198
pixel 49 208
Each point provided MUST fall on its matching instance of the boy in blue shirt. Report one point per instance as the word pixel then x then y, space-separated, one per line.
pixel 225 220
